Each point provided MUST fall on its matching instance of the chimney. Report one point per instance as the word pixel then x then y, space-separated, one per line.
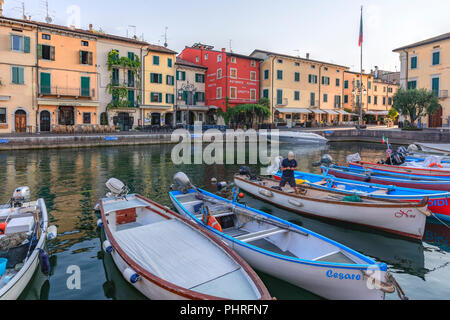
pixel 223 49
pixel 307 56
pixel 1 7
pixel 91 27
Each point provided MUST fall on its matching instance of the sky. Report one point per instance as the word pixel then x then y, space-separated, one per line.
pixel 326 29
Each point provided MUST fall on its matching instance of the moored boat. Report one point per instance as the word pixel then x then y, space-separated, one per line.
pixel 295 137
pixel 24 231
pixel 423 172
pixel 287 251
pixel 442 148
pixel 167 257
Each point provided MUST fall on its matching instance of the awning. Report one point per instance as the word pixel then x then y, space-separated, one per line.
pixel 331 112
pixel 293 110
pixel 343 112
pixel 317 111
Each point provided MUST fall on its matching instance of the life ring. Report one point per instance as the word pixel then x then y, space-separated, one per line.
pixel 435 164
pixel 3 228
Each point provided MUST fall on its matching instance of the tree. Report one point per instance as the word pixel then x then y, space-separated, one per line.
pixel 248 113
pixel 415 103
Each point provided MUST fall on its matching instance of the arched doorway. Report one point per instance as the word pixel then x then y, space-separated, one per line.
pixel 168 119
pixel 44 121
pixel 20 121
pixel 66 116
pixel 435 120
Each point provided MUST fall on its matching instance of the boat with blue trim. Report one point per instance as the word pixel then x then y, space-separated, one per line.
pixel 285 250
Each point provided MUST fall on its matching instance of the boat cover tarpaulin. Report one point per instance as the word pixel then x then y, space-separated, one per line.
pixel 176 253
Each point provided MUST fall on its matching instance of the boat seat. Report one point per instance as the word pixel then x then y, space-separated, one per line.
pixel 380 192
pixel 335 256
pixel 260 235
pixel 320 183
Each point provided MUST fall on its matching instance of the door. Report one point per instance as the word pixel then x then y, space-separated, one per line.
pixel 156 119
pixel 124 121
pixel 44 123
pixel 66 116
pixel 20 121
pixel 435 120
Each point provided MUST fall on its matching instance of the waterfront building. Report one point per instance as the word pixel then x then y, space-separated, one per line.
pixel 190 94
pixel 158 86
pixel 18 108
pixel 231 79
pixel 426 64
pixel 120 86
pixel 302 91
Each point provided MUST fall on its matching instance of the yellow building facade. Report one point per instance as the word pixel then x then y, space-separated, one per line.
pixel 158 85
pixel 18 107
pixel 302 92
pixel 426 64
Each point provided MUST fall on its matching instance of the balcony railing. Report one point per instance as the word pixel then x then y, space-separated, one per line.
pixel 127 84
pixel 282 102
pixel 67 92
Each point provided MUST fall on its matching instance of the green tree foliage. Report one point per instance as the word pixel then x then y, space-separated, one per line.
pixel 415 103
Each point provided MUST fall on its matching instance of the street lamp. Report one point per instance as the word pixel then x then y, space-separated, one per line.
pixel 190 90
pixel 359 92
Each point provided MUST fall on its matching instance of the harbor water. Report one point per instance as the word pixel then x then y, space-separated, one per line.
pixel 72 180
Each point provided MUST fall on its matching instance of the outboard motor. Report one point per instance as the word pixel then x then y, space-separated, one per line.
pixel 20 196
pixel 354 158
pixel 396 159
pixel 402 150
pixel 117 188
pixel 181 183
pixel 326 160
pixel 412 148
pixel 275 166
pixel 245 171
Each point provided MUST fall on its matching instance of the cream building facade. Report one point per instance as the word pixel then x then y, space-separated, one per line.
pixel 426 64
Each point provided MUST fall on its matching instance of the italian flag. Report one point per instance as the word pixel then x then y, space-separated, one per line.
pixel 384 139
pixel 361 31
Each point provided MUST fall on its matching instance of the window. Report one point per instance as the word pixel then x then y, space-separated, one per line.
pixel 155 78
pixel 346 84
pixel 233 73
pixel 337 101
pixel 390 101
pixel 219 58
pixel 414 62
pixel 436 58
pixel 115 77
pixel 313 67
pixel 375 100
pixel 252 94
pixel 357 83
pixel 253 75
pixel 312 78
pixel 46 36
pixel 297 95
pixel 17 75
pixel 279 74
pixel 233 94
pixel 369 85
pixel 206 56
pixel 279 97
pixel 197 59
pixel 156 97
pixel 219 93
pixel 297 76
pixel 86 118
pixel 313 99
pixel 266 74
pixel 131 100
pixel 266 93
pixel 253 63
pixel 170 98
pixel 384 89
pixel 219 73
pixel 46 52
pixel 3 119
pixel 169 62
pixel 233 59
pixel 200 96
pixel 338 82
pixel 412 84
pixel 297 64
pixel 346 99
pixel 131 56
pixel 20 43
pixel 84 43
pixel 280 61
pixel 375 88
pixel 435 85
pixel 384 101
pixel 181 75
pixel 86 58
pixel 325 97
pixel 369 99
pixel 169 80
pixel 156 60
pixel 85 86
pixel 200 78
pixel 326 81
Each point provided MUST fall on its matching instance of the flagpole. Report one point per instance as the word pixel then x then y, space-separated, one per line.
pixel 361 82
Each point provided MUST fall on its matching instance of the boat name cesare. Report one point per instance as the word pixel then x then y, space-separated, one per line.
pixel 342 276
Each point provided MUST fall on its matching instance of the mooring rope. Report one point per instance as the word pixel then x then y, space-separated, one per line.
pixel 435 216
pixel 401 294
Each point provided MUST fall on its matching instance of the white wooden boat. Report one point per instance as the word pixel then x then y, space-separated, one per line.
pixel 30 220
pixel 167 257
pixel 399 217
pixel 442 148
pixel 295 137
pixel 287 251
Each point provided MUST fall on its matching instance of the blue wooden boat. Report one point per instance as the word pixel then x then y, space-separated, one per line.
pixel 285 250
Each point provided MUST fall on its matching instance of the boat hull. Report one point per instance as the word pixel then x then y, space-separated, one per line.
pixel 403 170
pixel 405 221
pixel 327 281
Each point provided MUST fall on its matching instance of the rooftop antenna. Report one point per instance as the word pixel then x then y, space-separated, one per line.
pixel 231 49
pixel 48 19
pixel 298 53
pixel 165 37
pixel 134 27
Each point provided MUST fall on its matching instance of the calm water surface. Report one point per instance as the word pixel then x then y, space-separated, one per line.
pixel 72 180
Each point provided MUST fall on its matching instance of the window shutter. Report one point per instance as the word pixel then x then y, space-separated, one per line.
pixel 91 59
pixel 26 45
pixel 52 53
pixel 160 97
pixel 81 57
pixel 160 78
pixel 14 75
pixel 131 56
pixel 11 42
pixel 21 75
pixel 184 75
pixel 39 51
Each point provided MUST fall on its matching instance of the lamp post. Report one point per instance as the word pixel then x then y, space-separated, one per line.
pixel 190 90
pixel 358 92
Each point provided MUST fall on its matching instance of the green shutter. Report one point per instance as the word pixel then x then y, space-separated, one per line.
pixel 26 44
pixel 45 83
pixel 81 57
pixel 160 78
pixel 436 57
pixel 160 97
pixel 184 75
pixel 131 56
pixel 52 53
pixel 131 98
pixel 85 86
pixel 435 86
pixel 39 51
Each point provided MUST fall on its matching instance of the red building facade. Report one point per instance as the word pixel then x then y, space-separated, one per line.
pixel 229 75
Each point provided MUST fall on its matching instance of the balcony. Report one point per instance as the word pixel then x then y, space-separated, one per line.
pixel 67 92
pixel 125 84
pixel 282 102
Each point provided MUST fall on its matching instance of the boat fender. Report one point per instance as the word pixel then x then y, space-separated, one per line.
pixel 107 247
pixel 44 261
pixel 99 223
pixel 295 203
pixel 435 164
pixel 3 228
pixel 52 233
pixel 97 207
pixel 266 193
pixel 130 275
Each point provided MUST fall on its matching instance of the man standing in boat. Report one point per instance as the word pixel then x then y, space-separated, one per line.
pixel 288 166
